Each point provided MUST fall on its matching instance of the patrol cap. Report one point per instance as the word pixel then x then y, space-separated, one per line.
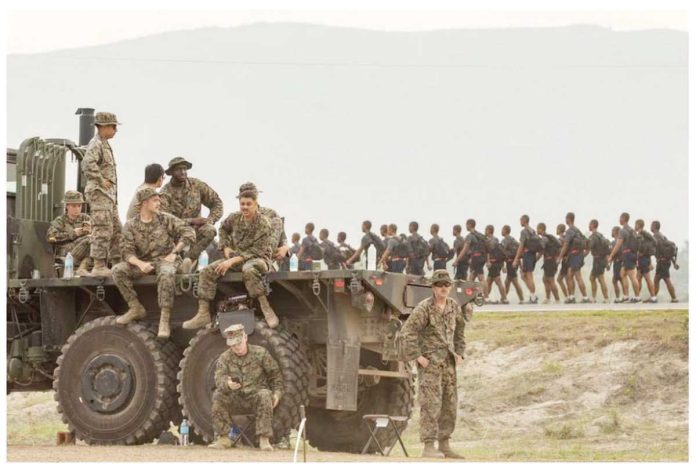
pixel 106 118
pixel 234 334
pixel 176 161
pixel 441 276
pixel 73 197
pixel 145 193
pixel 248 187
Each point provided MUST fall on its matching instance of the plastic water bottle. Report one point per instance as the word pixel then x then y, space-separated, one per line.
pixel 234 432
pixel 294 263
pixel 202 261
pixel 68 266
pixel 184 433
pixel 371 258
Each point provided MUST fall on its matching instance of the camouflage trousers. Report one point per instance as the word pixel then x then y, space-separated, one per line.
pixel 437 397
pixel 124 273
pixel 227 405
pixel 204 236
pixel 106 226
pixel 253 273
pixel 79 249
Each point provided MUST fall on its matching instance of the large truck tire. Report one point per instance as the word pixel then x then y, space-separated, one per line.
pixel 333 430
pixel 196 381
pixel 113 383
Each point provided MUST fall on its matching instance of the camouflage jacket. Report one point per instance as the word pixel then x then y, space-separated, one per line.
pixel 134 207
pixel 250 240
pixel 154 240
pixel 278 238
pixel 432 333
pixel 99 165
pixel 61 232
pixel 255 371
pixel 185 202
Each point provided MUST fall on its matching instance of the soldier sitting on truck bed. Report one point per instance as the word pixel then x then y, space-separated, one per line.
pixel 152 243
pixel 69 233
pixel 183 196
pixel 245 239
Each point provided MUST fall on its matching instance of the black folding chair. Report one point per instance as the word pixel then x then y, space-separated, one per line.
pixel 376 422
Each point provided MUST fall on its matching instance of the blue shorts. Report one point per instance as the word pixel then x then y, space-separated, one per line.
pixel 396 266
pixel 476 264
pixel 662 269
pixel 644 264
pixel 528 261
pixel 617 270
pixel 576 261
pixel 511 272
pixel 462 271
pixel 629 260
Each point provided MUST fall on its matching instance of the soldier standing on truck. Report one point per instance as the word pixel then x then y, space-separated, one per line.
pixel 154 178
pixel 627 249
pixel 99 168
pixel 246 241
pixel 247 380
pixel 433 335
pixel 152 243
pixel 69 233
pixel 310 249
pixel 346 250
pixel 183 196
pixel 666 255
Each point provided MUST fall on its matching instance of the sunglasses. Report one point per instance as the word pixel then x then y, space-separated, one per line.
pixel 441 284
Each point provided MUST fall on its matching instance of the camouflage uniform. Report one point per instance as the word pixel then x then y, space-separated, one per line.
pixel 134 207
pixel 151 242
pixel 98 165
pixel 185 202
pixel 61 233
pixel 250 240
pixel 261 381
pixel 437 336
pixel 278 237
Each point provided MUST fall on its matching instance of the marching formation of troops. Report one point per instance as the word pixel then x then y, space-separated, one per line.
pixel 562 256
pixel 165 233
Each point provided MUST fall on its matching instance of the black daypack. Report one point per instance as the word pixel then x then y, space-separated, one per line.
pixel 496 252
pixel 646 244
pixel 441 249
pixel 510 249
pixel 378 244
pixel 533 243
pixel 401 249
pixel 332 255
pixel 315 251
pixel 602 246
pixel 553 246
pixel 419 246
pixel 579 241
pixel 631 242
pixel 667 249
pixel 481 244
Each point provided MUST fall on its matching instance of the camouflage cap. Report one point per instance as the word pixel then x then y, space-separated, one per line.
pixel 73 197
pixel 249 187
pixel 174 162
pixel 145 193
pixel 106 118
pixel 441 276
pixel 234 334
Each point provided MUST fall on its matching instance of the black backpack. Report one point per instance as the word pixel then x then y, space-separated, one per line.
pixel 496 252
pixel 646 244
pixel 378 243
pixel 401 249
pixel 666 249
pixel 579 240
pixel 481 244
pixel 631 242
pixel 553 246
pixel 602 247
pixel 420 246
pixel 441 249
pixel 332 255
pixel 315 251
pixel 533 243
pixel 511 249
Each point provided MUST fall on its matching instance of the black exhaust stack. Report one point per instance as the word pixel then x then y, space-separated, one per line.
pixel 86 125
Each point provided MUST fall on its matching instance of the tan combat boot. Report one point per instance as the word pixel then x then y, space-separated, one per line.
pixel 83 269
pixel 135 311
pixel 429 451
pixel 164 324
pixel 100 269
pixel 445 449
pixel 186 266
pixel 222 442
pixel 268 313
pixel 264 444
pixel 202 317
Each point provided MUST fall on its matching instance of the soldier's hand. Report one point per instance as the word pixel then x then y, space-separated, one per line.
pixel 107 184
pixel 515 263
pixel 198 221
pixel 276 400
pixel 458 358
pixel 233 385
pixel 423 362
pixel 146 267
pixel 223 267
pixel 281 252
pixel 228 252
pixel 171 257
pixel 78 232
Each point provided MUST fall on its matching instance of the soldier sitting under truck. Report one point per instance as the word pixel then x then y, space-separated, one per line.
pixel 69 233
pixel 246 239
pixel 152 242
pixel 247 380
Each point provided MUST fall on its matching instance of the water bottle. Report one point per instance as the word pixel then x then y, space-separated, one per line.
pixel 234 432
pixel 68 266
pixel 370 254
pixel 184 433
pixel 202 261
pixel 294 263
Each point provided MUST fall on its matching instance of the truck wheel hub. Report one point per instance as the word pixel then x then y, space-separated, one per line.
pixel 107 382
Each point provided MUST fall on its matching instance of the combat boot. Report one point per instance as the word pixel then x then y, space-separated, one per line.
pixel 429 451
pixel 83 269
pixel 222 442
pixel 264 444
pixel 164 324
pixel 100 269
pixel 268 313
pixel 445 449
pixel 186 266
pixel 135 311
pixel 202 317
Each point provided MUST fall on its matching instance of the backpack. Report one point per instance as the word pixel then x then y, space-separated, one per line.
pixel 332 255
pixel 646 244
pixel 441 249
pixel 533 243
pixel 315 251
pixel 496 253
pixel 579 240
pixel 602 247
pixel 346 251
pixel 420 246
pixel 666 249
pixel 401 249
pixel 481 244
pixel 378 243
pixel 511 249
pixel 553 246
pixel 631 242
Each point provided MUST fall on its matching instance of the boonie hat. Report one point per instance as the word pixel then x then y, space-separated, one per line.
pixel 73 197
pixel 106 118
pixel 176 161
pixel 145 193
pixel 234 334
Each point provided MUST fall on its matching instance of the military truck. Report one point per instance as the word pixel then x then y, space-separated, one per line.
pixel 121 385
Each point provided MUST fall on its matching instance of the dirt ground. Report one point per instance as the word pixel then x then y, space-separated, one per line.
pixel 583 386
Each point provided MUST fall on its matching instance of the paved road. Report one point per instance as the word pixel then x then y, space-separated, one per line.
pixel 542 308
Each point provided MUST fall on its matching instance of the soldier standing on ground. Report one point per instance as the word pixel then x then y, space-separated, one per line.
pixel 332 256
pixel 646 249
pixel 600 249
pixel 530 245
pixel 475 247
pixel 495 263
pixel 418 251
pixel 461 268
pixel 627 248
pixel 563 271
pixel 510 245
pixel 665 255
pixel 574 245
pixel 152 243
pixel 69 233
pixel 433 335
pixel 396 254
pixel 99 168
pixel 183 196
pixel 551 248
pixel 247 380
pixel 246 241
pixel 154 178
pixel 616 266
pixel 439 249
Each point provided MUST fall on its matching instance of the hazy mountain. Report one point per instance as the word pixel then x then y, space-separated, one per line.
pixel 337 125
